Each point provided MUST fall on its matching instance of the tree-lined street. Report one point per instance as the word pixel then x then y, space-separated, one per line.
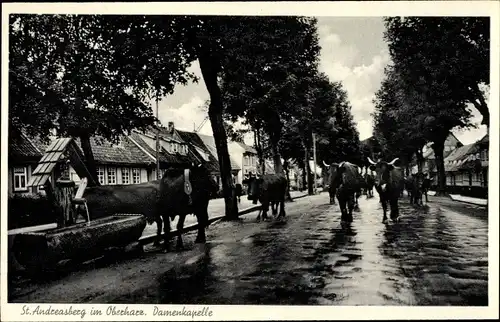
pixel 433 256
pixel 83 77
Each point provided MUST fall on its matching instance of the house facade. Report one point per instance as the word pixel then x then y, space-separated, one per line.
pixel 467 169
pixel 24 154
pixel 209 143
pixel 429 164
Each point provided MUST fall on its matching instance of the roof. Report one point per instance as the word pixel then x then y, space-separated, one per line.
pixel 59 149
pixel 22 148
pixel 485 140
pixel 165 156
pixel 126 152
pixel 455 160
pixel 197 146
pixel 209 142
pixel 247 148
pixel 166 135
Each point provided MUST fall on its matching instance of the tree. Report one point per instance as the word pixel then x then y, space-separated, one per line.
pixel 394 119
pixel 259 84
pixel 82 75
pixel 412 111
pixel 455 49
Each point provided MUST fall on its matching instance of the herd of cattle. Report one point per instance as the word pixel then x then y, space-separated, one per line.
pixel 188 191
pixel 347 183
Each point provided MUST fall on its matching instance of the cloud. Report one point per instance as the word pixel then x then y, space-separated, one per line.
pixel 338 62
pixel 185 116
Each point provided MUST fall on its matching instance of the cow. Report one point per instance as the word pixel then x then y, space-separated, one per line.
pixel 414 186
pixel 183 192
pixel 108 200
pixel 270 190
pixel 426 186
pixel 369 183
pixel 389 183
pixel 332 180
pixel 158 199
pixel 348 187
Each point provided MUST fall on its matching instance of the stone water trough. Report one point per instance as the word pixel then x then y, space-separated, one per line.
pixel 42 250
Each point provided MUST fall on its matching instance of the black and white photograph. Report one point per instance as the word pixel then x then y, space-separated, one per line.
pixel 281 158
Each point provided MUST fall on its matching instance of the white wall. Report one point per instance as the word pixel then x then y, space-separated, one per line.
pixel 236 153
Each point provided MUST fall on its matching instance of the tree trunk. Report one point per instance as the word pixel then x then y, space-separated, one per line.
pixel 260 153
pixel 215 113
pixel 438 147
pixel 303 184
pixel 307 169
pixel 278 167
pixel 89 158
pixel 288 196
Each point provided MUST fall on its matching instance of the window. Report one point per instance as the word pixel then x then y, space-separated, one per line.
pixel 20 178
pixel 111 175
pixel 136 175
pixel 125 175
pixel 246 160
pixel 484 155
pixel 100 175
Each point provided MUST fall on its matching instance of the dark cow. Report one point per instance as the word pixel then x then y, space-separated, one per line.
pixel 332 180
pixel 369 183
pixel 414 187
pixel 140 198
pixel 348 188
pixel 270 190
pixel 389 182
pixel 158 199
pixel 361 186
pixel 183 192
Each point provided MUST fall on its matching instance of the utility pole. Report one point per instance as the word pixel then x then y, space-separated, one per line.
pixel 158 176
pixel 314 157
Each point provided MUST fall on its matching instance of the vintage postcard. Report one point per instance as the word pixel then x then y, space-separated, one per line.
pixel 249 161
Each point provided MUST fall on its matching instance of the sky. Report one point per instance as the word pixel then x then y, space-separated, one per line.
pixel 353 52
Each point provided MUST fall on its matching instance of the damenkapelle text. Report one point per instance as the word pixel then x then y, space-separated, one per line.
pixel 184 312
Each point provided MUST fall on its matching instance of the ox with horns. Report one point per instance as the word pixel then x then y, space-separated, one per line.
pixel 345 184
pixel 389 183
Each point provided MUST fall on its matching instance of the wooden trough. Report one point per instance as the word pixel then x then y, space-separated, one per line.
pixel 42 250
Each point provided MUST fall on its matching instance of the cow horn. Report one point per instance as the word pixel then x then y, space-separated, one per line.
pixel 371 161
pixel 392 162
pixel 199 165
pixel 326 165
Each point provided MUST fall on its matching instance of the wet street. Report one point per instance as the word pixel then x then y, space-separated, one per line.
pixel 435 255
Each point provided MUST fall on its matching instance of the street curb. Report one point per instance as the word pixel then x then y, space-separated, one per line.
pixel 151 238
pixel 469 202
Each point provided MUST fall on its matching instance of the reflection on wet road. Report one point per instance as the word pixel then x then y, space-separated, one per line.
pixel 433 256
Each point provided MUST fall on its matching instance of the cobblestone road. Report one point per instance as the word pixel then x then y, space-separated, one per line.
pixel 436 255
